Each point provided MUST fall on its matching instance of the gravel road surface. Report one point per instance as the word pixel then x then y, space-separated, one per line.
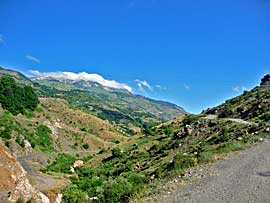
pixel 241 178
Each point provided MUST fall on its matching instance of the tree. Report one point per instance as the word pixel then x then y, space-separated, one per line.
pixel 116 152
pixel 16 99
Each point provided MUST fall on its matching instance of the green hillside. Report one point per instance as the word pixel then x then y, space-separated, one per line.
pixel 70 123
pixel 126 111
pixel 145 162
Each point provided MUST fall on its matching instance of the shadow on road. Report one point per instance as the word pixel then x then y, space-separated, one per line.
pixel 264 174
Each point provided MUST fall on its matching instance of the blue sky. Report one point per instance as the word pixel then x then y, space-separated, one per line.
pixel 193 53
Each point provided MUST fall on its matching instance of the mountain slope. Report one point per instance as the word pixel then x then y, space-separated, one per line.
pixel 124 110
pixel 250 105
pixel 14 184
pixel 19 77
pixel 125 105
pixel 145 162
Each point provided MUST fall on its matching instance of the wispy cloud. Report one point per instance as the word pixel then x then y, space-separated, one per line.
pixel 81 76
pixel 239 88
pixel 161 87
pixel 32 58
pixel 187 87
pixel 142 84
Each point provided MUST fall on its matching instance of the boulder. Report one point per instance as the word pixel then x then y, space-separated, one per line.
pixel 265 80
pixel 78 163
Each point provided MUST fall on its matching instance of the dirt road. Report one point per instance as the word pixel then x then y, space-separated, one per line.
pixel 242 178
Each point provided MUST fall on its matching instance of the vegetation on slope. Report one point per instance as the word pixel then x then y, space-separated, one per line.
pixel 119 107
pixel 52 126
pixel 165 151
pixel 16 99
pixel 126 111
pixel 249 106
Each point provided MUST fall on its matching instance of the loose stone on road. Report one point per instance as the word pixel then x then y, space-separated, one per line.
pixel 241 178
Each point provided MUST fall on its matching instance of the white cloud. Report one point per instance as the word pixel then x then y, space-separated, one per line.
pixel 161 87
pixel 32 58
pixel 187 87
pixel 82 76
pixel 143 84
pixel 239 88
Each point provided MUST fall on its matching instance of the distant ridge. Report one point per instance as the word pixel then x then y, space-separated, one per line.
pixel 119 106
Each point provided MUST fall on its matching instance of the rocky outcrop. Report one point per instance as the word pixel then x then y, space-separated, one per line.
pixel 14 183
pixel 265 80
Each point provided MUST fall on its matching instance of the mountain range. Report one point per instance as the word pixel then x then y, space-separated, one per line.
pixel 119 106
pixel 86 142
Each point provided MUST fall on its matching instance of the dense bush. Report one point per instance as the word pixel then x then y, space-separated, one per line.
pixel 116 152
pixel 62 163
pixel 15 98
pixel 85 146
pixel 265 117
pixel 116 190
pixel 7 125
pixel 182 161
pixel 43 137
pixel 72 194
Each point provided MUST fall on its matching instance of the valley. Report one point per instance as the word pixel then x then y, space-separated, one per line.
pixel 126 147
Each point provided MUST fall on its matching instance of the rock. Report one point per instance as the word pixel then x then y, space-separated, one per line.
pixel 59 198
pixel 93 199
pixel 265 80
pixel 137 167
pixel 187 130
pixel 28 147
pixel 72 169
pixel 261 139
pixel 77 164
pixel 13 178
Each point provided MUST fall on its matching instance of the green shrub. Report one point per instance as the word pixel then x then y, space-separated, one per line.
pixel 20 200
pixel 16 99
pixel 116 152
pixel 230 146
pixel 181 161
pixel 206 156
pixel 265 117
pixel 62 163
pixel 86 146
pixel 19 141
pixel 43 138
pixel 72 194
pixel 115 191
pixel 7 125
